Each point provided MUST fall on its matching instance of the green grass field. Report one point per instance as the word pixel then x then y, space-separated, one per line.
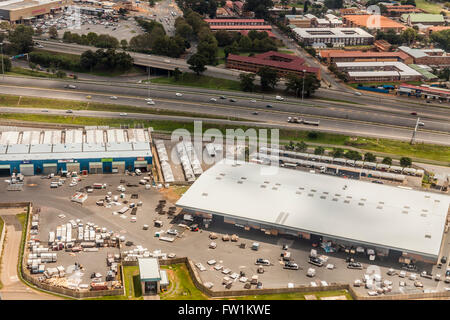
pixel 422 152
pixel 201 81
pixel 17 71
pixel 181 286
pixel 429 6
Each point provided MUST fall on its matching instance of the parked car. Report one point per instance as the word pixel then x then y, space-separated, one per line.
pixel 232 100
pixel 179 94
pixel 172 232
pixel 444 260
pixel 212 100
pixel 113 98
pixel 151 102
pixel 354 265
pixel 223 97
pixel 358 93
pixel 123 114
pixel 315 261
pixel 211 262
pixel 269 106
pixel 291 266
pixel 409 267
pixel 263 262
pixel 70 86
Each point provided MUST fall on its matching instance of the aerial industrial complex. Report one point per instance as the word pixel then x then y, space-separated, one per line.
pixel 314 207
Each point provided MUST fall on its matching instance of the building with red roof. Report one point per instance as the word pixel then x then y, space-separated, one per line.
pixel 238 24
pixel 284 64
pixel 332 56
pixel 398 10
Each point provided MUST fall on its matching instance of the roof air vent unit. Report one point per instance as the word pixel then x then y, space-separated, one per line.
pixel 244 178
pixel 346 201
pixel 335 199
pixel 405 212
pixel 267 182
pixel 204 194
pixel 263 186
pixel 337 194
pixel 274 188
pixel 361 203
pixel 323 197
pixel 437 200
pixel 298 192
pixel 310 195
pixel 423 215
pixel 218 178
pixel 312 190
pixel 379 207
pixel 428 236
pixel 240 182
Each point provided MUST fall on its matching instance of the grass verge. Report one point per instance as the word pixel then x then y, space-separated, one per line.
pixel 429 7
pixel 181 286
pixel 201 81
pixel 419 151
pixel 30 73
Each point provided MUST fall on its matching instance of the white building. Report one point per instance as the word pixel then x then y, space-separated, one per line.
pixel 386 218
pixel 338 36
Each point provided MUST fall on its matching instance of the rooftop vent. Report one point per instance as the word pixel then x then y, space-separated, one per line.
pixel 423 215
pixel 301 188
pixel 325 192
pixel 428 236
pixel 335 199
pixel 406 207
pixel 360 203
pixel 381 202
pixel 348 197
pixel 240 182
pixel 244 178
pixel 218 178
pixel 204 194
pixel 425 210
pixel 274 188
pixel 323 197
pixel 437 200
pixel 263 186
pixel 310 195
pixel 277 184
pixel 312 190
pixel 266 182
pixel 405 212
pixel 298 192
pixel 379 207
pixel 346 201
pixel 363 199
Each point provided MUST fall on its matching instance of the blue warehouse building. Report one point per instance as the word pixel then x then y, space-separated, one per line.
pixel 93 151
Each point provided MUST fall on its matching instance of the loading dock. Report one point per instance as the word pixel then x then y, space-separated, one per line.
pixel 5 170
pixel 142 165
pixel 27 169
pixel 73 167
pixel 49 168
pixel 118 167
pixel 95 167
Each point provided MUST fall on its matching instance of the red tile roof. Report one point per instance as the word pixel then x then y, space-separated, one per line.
pixel 296 63
pixel 241 27
pixel 235 20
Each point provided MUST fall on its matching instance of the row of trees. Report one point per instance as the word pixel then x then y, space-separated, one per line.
pixel 269 79
pixel 202 7
pixel 100 60
pixel 407 36
pixel 349 154
pixel 92 39
pixel 442 38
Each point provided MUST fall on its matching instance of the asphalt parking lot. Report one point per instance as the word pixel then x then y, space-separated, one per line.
pixel 191 244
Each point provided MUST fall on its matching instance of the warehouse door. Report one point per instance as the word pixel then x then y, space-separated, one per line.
pixel 95 167
pixel 141 165
pixel 107 167
pixel 27 169
pixel 5 170
pixel 73 167
pixel 50 168
pixel 118 167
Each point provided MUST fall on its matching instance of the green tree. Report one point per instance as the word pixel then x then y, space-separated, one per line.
pixel 184 30
pixel 353 155
pixel 445 74
pixel 405 162
pixel 319 150
pixel 259 7
pixel 60 74
pixel 224 38
pixel 21 39
pixel 197 63
pixel 387 160
pixel 6 63
pixel 334 4
pixel 208 48
pixel 442 38
pixel 370 157
pixel 247 81
pixel 337 153
pixel 177 73
pixel 268 78
pixel 301 146
pixel 296 84
pixel 245 44
pixel 124 44
pixel 53 32
pixel 409 35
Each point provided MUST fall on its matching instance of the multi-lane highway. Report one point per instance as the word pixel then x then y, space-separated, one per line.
pixel 335 117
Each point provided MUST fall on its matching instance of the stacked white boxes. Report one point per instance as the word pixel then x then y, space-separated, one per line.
pixel 185 162
pixel 195 163
pixel 164 161
pixel 69 232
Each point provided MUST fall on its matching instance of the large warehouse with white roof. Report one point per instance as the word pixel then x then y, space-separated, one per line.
pixel 391 220
pixel 93 151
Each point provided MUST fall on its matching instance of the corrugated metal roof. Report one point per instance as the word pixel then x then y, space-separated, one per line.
pixel 307 211
pixel 149 269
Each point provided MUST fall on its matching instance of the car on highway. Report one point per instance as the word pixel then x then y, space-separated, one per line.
pixel 88 97
pixel 232 100
pixel 148 99
pixel 223 97
pixel 123 114
pixel 358 93
pixel 444 260
pixel 151 102
pixel 253 101
pixel 113 98
pixel 179 94
pixel 70 86
pixel 269 106
pixel 44 110
pixel 69 111
pixel 212 100
pixel 255 113
pixel 279 98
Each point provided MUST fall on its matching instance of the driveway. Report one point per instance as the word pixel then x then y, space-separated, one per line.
pixel 13 288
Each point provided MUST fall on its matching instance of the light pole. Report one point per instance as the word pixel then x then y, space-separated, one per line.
pixel 3 70
pixel 418 124
pixel 303 86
